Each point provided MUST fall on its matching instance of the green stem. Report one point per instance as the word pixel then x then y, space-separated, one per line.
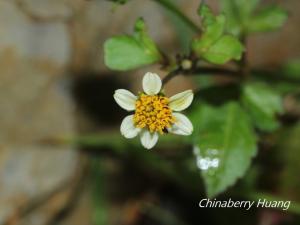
pixel 172 8
pixel 109 139
pixel 121 146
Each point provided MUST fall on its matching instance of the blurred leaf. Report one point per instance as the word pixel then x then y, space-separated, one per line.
pixel 284 79
pixel 211 95
pixel 246 7
pixel 224 145
pixel 213 46
pixel 288 147
pixel 126 52
pixel 291 68
pixel 268 19
pixel 286 87
pixel 223 50
pixel 203 81
pixel 262 103
pixel 237 14
pixel 242 17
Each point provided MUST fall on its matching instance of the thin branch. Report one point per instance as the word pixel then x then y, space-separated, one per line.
pixel 271 75
pixel 172 8
pixel 216 71
pixel 171 75
pixel 243 63
pixel 274 75
pixel 201 71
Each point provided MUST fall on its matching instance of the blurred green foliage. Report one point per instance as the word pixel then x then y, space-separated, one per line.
pixel 244 18
pixel 263 105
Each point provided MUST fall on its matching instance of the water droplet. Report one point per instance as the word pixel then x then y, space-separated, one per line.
pixel 208 163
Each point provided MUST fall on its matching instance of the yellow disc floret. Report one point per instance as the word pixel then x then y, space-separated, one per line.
pixel 153 112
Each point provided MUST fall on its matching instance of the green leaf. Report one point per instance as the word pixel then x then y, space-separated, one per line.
pixel 126 52
pixel 226 48
pixel 242 17
pixel 213 27
pixel 239 9
pixel 268 19
pixel 210 35
pixel 213 45
pixel 237 14
pixel 291 68
pixel 207 16
pixel 263 104
pixel 224 145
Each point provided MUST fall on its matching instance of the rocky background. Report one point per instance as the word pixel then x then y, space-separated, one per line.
pixel 51 76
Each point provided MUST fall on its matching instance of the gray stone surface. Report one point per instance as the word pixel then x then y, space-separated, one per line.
pixel 32 40
pixel 34 106
pixel 48 9
pixel 30 172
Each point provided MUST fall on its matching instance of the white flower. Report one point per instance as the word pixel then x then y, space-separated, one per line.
pixel 154 113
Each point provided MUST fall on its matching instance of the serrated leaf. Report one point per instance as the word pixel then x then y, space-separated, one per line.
pixel 224 145
pixel 210 35
pixel 213 45
pixel 207 16
pixel 268 19
pixel 126 52
pixel 213 27
pixel 226 48
pixel 262 104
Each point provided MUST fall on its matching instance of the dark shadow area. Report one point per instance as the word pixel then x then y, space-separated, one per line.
pixel 93 94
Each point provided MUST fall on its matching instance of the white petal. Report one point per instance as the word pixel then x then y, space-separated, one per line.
pixel 148 139
pixel 125 99
pixel 181 100
pixel 151 83
pixel 182 125
pixel 128 129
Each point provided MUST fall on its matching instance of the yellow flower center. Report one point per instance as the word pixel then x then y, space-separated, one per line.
pixel 154 113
